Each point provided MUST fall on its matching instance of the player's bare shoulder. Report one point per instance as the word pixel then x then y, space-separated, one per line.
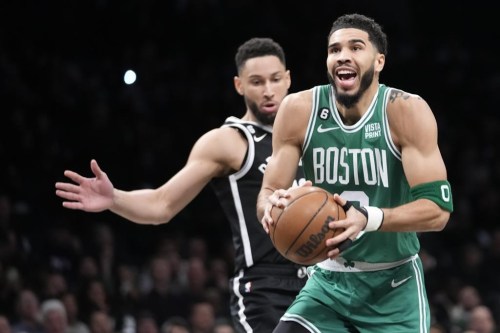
pixel 224 146
pixel 297 106
pixel 292 118
pixel 298 102
pixel 409 115
pixel 399 99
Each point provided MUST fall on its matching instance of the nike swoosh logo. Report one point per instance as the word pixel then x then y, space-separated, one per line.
pixel 323 130
pixel 395 284
pixel 259 138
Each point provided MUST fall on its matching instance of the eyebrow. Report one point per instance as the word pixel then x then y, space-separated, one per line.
pixel 261 76
pixel 351 41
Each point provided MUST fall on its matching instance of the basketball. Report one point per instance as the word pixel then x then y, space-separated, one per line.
pixel 300 230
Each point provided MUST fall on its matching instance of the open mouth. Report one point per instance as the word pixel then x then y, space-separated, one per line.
pixel 269 107
pixel 345 74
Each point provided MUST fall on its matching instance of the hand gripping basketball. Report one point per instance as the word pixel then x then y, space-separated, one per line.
pixel 300 230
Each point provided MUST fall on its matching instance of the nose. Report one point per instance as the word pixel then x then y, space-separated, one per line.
pixel 343 55
pixel 268 89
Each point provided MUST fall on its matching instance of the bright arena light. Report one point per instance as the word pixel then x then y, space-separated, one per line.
pixel 129 77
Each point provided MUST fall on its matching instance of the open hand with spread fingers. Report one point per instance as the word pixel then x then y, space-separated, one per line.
pixel 87 194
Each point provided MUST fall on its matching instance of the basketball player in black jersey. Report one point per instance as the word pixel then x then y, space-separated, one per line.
pixel 233 159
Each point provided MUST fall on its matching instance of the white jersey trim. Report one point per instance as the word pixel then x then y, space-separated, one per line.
pixel 387 130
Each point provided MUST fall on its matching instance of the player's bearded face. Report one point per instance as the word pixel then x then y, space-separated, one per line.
pixel 263 117
pixel 348 100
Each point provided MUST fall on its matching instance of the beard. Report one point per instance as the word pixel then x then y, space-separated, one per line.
pixel 350 100
pixel 263 117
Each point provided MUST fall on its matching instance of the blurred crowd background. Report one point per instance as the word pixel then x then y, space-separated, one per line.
pixel 63 102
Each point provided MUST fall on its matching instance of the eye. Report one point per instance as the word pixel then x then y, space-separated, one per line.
pixel 357 47
pixel 333 50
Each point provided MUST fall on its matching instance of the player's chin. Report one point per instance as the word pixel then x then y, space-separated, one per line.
pixel 267 118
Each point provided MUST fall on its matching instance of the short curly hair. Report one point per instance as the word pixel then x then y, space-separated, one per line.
pixel 358 21
pixel 258 47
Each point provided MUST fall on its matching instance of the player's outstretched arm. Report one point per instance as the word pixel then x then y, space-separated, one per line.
pixel 87 194
pixel 215 154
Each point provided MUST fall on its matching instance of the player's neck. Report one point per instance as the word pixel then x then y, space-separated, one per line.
pixel 249 116
pixel 351 115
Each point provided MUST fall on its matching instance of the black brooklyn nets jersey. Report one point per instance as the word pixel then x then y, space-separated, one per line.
pixel 238 193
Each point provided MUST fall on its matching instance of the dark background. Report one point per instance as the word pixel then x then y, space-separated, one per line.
pixel 63 102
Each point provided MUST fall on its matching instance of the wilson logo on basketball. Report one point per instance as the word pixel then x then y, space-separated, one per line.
pixel 311 245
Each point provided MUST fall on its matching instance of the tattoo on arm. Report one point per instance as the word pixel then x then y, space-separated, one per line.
pixel 395 93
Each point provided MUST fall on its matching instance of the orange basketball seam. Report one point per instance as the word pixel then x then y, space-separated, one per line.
pixel 302 218
pixel 310 220
pixel 283 210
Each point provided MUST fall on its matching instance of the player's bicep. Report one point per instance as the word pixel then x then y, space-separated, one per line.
pixel 423 167
pixel 288 132
pixel 418 135
pixel 282 168
pixel 204 163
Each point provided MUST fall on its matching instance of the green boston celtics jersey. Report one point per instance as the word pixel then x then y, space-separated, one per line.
pixel 363 165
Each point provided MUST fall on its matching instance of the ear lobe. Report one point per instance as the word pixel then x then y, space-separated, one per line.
pixel 237 85
pixel 380 62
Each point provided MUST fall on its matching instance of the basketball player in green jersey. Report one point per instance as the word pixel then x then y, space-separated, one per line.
pixel 375 148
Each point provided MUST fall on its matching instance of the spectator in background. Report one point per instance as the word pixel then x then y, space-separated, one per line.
pixel 468 298
pixel 28 313
pixel 198 248
pixel 222 325
pixel 55 285
pixel 75 324
pixel 470 260
pixel 4 324
pixel 60 252
pixel 202 317
pixel 101 322
pixel 490 279
pixel 169 248
pixel 218 276
pixel 481 321
pixel 146 323
pixel 175 324
pixel 104 248
pixel 197 278
pixel 10 287
pixel 87 270
pixel 162 300
pixel 54 318
pixel 9 241
pixel 127 288
pixel 96 297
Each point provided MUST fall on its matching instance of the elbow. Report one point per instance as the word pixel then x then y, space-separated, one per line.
pixel 162 219
pixel 158 222
pixel 440 221
pixel 149 221
pixel 159 218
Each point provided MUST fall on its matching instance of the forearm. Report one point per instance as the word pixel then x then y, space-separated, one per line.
pixel 140 206
pixel 262 200
pixel 417 216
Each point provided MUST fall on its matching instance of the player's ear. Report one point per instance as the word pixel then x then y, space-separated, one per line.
pixel 288 79
pixel 237 85
pixel 379 62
